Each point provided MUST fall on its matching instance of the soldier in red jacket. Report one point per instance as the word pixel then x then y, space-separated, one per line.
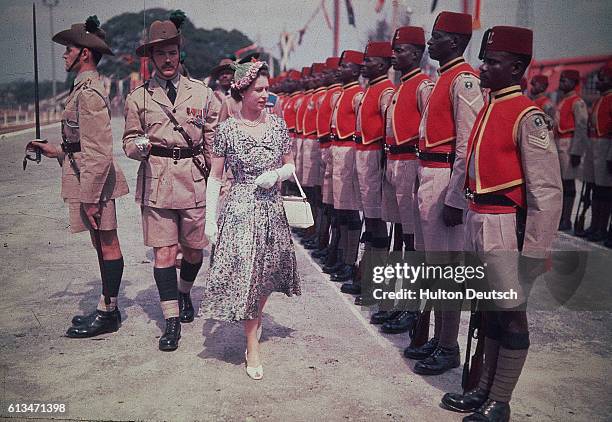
pixel 443 134
pixel 512 179
pixel 539 85
pixel 570 135
pixel 598 158
pixel 401 139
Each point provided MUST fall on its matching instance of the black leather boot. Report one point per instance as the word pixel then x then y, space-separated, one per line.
pixel 401 323
pixel 351 288
pixel 490 411
pixel 441 360
pixel 170 340
pixel 319 253
pixel 421 352
pixel 330 269
pixel 345 274
pixel 464 403
pixel 185 307
pixel 103 322
pixel 381 317
pixel 84 319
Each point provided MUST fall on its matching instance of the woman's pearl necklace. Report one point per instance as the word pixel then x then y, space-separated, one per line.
pixel 251 123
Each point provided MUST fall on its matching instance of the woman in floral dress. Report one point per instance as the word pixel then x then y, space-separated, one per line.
pixel 254 254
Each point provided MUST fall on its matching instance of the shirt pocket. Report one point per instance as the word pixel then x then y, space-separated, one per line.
pixel 147 183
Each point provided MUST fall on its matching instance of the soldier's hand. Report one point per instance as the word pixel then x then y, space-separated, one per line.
pixel 452 216
pixel 92 211
pixel 144 145
pixel 609 165
pixel 575 160
pixel 48 150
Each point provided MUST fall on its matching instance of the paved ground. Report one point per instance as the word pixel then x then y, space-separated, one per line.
pixel 322 360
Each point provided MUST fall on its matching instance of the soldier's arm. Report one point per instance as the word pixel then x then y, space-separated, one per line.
pixel 581 118
pixel 385 100
pixel 210 125
pixel 96 144
pixel 467 102
pixel 549 109
pixel 543 185
pixel 334 99
pixel 423 92
pixel 356 100
pixel 133 128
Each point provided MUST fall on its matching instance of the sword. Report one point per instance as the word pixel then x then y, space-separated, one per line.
pixel 37 151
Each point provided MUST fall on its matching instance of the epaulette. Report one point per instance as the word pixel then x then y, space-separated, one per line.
pixel 196 80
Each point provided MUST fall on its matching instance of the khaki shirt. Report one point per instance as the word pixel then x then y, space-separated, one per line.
pixel 467 100
pixel 86 119
pixel 163 182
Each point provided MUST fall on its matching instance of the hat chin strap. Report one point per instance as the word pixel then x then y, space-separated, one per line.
pixel 76 59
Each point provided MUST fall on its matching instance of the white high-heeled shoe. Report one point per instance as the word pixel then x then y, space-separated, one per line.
pixel 256 372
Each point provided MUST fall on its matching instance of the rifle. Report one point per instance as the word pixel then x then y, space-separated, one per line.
pixel 585 201
pixel 419 334
pixel 38 153
pixel 472 367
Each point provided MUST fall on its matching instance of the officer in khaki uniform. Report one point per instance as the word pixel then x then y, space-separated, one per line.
pixel 171 186
pixel 512 179
pixel 445 127
pixel 90 179
pixel 571 136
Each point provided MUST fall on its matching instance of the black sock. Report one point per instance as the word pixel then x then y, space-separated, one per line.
pixel 113 272
pixel 189 271
pixel 167 285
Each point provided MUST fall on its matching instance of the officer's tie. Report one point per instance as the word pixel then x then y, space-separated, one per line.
pixel 171 91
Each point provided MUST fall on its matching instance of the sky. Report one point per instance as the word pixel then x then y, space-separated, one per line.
pixel 563 28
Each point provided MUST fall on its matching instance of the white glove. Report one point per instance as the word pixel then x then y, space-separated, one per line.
pixel 213 188
pixel 143 144
pixel 269 178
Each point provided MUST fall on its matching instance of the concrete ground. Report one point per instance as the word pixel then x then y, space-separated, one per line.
pixel 323 361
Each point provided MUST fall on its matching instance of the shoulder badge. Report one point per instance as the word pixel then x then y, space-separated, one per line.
pixel 468 84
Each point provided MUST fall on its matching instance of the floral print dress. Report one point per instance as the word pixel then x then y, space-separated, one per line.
pixel 254 255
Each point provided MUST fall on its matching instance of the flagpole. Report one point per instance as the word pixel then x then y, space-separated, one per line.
pixel 336 27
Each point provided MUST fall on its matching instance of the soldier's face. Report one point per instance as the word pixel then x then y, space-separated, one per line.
pixel 349 72
pixel 603 81
pixel 440 45
pixel 405 57
pixel 70 55
pixel 497 70
pixel 372 67
pixel 566 84
pixel 166 60
pixel 225 80
pixel 256 95
pixel 537 87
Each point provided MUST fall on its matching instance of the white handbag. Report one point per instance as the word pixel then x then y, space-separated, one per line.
pixel 297 209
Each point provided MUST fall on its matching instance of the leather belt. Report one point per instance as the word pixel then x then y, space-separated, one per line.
pixel 71 147
pixel 436 157
pixel 325 139
pixel 176 153
pixel 488 199
pixel 400 149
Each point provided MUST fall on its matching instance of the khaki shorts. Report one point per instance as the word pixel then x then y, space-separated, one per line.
pixel 166 227
pixel 80 223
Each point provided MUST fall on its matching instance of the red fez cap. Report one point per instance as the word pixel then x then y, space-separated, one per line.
pixel 511 39
pixel 295 75
pixel 572 74
pixel 306 72
pixel 457 23
pixel 318 67
pixel 409 35
pixel 378 49
pixel 332 63
pixel 351 56
pixel 542 79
